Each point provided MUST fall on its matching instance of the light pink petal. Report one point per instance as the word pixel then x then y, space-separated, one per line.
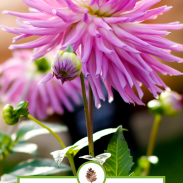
pixel 46 78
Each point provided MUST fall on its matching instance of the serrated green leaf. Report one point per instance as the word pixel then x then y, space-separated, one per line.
pixel 75 148
pixel 5 142
pixel 28 129
pixel 101 158
pixel 34 167
pixel 120 162
pixel 23 147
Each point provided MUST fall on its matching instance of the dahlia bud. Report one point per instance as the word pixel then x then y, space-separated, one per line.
pixel 21 109
pixel 11 115
pixel 171 103
pixel 66 66
pixel 8 115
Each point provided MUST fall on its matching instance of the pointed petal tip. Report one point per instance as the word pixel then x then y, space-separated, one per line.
pixel 46 78
pixel 157 96
pixel 11 47
pixel 98 106
pixel 3 28
pixel 110 99
pixel 167 89
pixel 5 12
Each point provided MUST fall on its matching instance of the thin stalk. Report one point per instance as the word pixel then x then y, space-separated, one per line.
pixel 58 139
pixel 152 140
pixel 87 116
pixel 90 107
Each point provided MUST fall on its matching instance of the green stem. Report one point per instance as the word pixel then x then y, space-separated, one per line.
pixel 59 140
pixel 88 124
pixel 90 107
pixel 152 140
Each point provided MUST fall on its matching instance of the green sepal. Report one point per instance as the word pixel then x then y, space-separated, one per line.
pixel 70 49
pixel 21 109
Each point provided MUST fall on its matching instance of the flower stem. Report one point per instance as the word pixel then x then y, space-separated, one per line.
pixel 88 124
pixel 58 139
pixel 90 107
pixel 152 140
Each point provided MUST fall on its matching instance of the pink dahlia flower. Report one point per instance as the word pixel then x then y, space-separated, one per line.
pixel 110 38
pixel 19 80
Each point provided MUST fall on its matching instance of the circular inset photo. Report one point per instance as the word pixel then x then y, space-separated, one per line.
pixel 91 172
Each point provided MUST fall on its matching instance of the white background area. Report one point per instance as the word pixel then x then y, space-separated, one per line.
pixel 74 180
pixel 134 180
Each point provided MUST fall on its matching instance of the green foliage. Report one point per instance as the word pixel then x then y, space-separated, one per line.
pixel 29 129
pixel 143 163
pixel 75 148
pixel 24 147
pixel 26 130
pixel 17 144
pixel 101 158
pixel 5 143
pixel 120 162
pixel 34 167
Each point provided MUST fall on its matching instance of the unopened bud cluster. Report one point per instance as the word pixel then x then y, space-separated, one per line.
pixel 169 104
pixel 11 115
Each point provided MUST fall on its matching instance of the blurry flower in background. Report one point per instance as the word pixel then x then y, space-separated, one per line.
pixel 110 39
pixel 19 78
pixel 169 103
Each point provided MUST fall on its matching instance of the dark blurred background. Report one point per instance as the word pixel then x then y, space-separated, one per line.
pixel 136 119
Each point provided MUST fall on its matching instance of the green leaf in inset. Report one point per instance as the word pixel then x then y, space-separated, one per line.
pixel 5 143
pixel 29 148
pixel 28 129
pixel 101 158
pixel 34 167
pixel 120 162
pixel 75 148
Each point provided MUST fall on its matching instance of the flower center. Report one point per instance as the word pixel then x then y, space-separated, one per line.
pixel 63 73
pixel 98 12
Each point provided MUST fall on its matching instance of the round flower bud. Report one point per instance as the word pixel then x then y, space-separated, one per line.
pixel 171 103
pixel 8 115
pixel 66 66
